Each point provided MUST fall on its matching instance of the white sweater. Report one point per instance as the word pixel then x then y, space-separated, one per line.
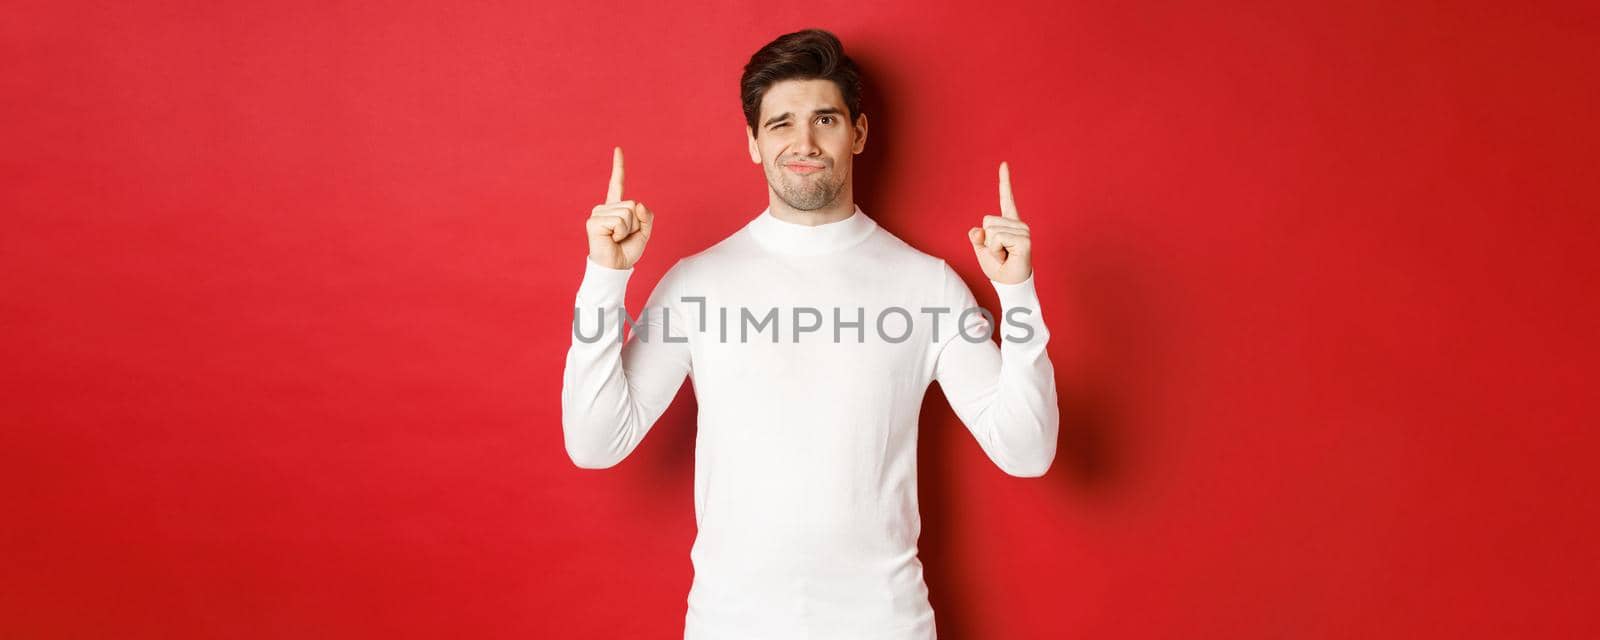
pixel 805 480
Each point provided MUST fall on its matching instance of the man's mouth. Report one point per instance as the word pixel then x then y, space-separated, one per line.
pixel 803 168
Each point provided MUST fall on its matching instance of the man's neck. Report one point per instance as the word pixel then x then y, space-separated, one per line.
pixel 839 209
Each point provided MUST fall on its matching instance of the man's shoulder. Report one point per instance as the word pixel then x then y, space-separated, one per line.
pixel 901 254
pixel 731 251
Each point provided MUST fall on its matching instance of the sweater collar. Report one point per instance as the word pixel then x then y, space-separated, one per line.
pixel 797 239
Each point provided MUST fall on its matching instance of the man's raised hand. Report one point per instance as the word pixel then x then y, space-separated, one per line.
pixel 1004 249
pixel 618 229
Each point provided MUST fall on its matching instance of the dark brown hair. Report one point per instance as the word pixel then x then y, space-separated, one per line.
pixel 802 55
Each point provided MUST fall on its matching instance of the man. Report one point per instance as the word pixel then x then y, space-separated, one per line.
pixel 805 459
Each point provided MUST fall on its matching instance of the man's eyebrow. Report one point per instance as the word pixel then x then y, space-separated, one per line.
pixel 819 112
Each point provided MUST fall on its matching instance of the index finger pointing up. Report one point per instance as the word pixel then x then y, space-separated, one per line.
pixel 614 192
pixel 1008 207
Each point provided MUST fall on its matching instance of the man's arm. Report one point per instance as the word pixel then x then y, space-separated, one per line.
pixel 1006 396
pixel 613 390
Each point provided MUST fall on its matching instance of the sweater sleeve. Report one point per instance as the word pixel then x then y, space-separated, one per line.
pixel 1006 395
pixel 613 389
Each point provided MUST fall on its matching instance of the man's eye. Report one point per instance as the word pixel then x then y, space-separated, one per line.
pixel 828 118
pixel 780 125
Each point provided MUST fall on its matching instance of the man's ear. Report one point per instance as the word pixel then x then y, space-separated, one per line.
pixel 861 133
pixel 755 151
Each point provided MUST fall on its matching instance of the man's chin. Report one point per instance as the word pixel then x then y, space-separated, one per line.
pixel 809 203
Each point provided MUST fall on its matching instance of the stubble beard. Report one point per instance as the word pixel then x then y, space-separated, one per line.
pixel 806 192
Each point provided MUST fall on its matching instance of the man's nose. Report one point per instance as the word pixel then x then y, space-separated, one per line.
pixel 806 143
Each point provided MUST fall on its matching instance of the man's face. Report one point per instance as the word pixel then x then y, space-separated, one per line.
pixel 805 142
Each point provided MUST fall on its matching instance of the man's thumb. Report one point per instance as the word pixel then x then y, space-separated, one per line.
pixel 647 219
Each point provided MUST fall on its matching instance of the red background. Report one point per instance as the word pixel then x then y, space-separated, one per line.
pixel 286 295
